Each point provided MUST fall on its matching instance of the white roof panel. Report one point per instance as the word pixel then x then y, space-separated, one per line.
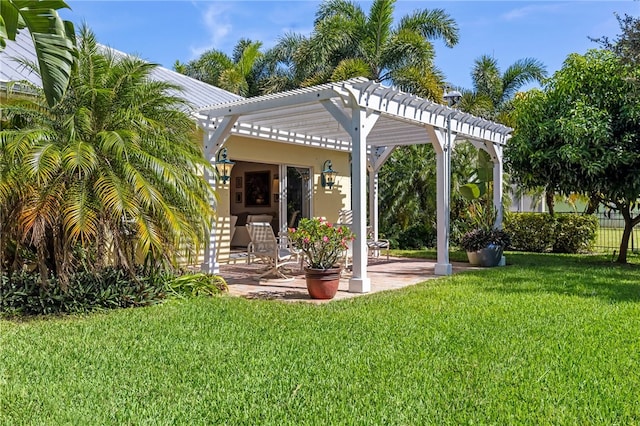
pixel 197 93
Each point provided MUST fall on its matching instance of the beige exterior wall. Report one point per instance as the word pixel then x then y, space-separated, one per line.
pixel 263 155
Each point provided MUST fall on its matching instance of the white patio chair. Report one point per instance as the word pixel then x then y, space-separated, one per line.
pixel 374 246
pixel 264 247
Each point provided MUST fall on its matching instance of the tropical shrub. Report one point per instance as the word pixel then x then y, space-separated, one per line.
pixel 22 293
pixel 195 285
pixel 113 175
pixel 419 236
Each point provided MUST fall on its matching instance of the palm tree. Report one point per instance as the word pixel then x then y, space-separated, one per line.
pixel 106 176
pixel 493 91
pixel 346 42
pixel 408 196
pixel 235 74
pixel 53 38
pixel 407 183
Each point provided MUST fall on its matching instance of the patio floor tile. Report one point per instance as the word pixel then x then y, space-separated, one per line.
pixel 384 274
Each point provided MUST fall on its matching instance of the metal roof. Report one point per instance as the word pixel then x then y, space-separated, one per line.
pixel 308 116
pixel 196 92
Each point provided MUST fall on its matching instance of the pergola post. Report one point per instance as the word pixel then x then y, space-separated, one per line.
pixel 443 145
pixel 498 169
pixel 210 262
pixel 373 203
pixel 361 125
pixel 377 158
pixel 497 186
pixel 213 141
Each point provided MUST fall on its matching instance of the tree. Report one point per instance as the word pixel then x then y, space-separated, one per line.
pixel 493 92
pixel 581 134
pixel 53 38
pixel 627 44
pixel 346 42
pixel 235 74
pixel 408 195
pixel 112 174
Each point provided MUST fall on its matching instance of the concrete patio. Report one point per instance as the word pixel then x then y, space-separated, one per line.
pixel 391 274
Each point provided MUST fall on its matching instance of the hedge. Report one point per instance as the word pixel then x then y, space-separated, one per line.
pixel 541 232
pixel 574 233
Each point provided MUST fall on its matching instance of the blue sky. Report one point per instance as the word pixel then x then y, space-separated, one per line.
pixel 166 31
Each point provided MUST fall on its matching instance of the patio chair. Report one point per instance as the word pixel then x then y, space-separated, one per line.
pixel 375 245
pixel 345 217
pixel 264 247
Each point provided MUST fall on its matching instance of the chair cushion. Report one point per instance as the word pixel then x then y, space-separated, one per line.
pixel 259 218
pixel 378 244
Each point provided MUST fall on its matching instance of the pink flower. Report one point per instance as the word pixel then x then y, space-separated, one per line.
pixel 325 239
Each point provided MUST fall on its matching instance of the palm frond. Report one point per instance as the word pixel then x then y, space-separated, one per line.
pixel 522 72
pixel 432 24
pixel 349 68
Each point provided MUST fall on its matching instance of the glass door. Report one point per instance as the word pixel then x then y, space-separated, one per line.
pixel 297 194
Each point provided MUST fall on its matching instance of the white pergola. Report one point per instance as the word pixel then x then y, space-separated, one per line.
pixel 369 120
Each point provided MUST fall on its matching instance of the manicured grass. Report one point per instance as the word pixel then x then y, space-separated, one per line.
pixel 546 340
pixel 431 253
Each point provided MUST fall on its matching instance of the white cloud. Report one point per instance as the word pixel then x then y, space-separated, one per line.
pixel 216 18
pixel 527 11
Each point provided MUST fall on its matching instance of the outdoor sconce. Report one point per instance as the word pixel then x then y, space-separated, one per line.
pixel 328 175
pixel 224 165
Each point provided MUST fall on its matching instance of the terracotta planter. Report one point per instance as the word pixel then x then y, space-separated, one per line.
pixel 488 256
pixel 322 283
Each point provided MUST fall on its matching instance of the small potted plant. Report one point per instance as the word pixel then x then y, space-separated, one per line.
pixel 484 244
pixel 323 244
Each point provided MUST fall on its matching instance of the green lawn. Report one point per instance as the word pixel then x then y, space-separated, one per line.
pixel 546 340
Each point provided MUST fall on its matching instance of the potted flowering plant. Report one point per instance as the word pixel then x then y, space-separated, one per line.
pixel 322 244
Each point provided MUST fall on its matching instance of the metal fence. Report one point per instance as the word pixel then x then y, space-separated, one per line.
pixel 609 234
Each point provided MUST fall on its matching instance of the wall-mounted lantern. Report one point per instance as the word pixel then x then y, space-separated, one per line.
pixel 328 175
pixel 224 165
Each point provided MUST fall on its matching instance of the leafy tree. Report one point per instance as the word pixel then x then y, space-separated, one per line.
pixel 53 38
pixel 627 44
pixel 347 42
pixel 235 74
pixel 106 176
pixel 581 134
